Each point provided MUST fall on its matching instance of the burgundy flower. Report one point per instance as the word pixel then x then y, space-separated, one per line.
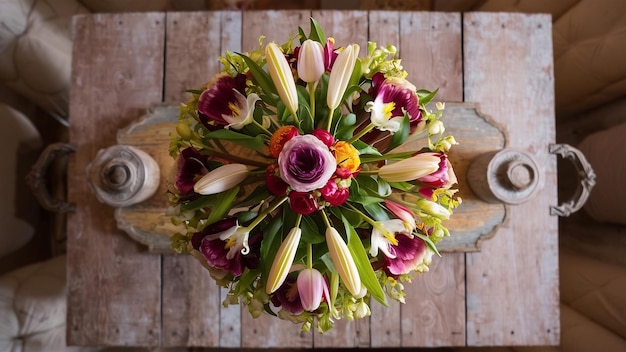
pixel 191 166
pixel 219 98
pixel 392 97
pixel 329 55
pixel 443 177
pixel 306 163
pixel 221 245
pixel 275 184
pixel 333 194
pixel 287 296
pixel 302 202
pixel 324 136
pixel 410 253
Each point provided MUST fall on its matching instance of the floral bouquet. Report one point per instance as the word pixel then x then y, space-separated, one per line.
pixel 300 185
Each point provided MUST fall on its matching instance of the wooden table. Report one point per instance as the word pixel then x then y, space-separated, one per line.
pixel 506 294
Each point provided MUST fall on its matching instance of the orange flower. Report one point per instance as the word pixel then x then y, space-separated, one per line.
pixel 280 137
pixel 347 156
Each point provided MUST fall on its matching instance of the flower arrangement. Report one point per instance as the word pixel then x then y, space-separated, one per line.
pixel 299 185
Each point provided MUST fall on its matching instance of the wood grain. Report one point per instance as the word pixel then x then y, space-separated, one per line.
pixel 114 287
pixel 191 299
pixel 434 313
pixel 512 284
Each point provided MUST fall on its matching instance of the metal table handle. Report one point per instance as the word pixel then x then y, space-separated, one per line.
pixel 585 173
pixel 36 178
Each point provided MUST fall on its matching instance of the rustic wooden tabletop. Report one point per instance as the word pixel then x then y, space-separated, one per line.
pixel 505 294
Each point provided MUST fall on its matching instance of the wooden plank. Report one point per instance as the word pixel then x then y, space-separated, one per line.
pixel 346 27
pixel 276 26
pixel 114 295
pixel 512 284
pixel 191 299
pixel 268 331
pixel 434 313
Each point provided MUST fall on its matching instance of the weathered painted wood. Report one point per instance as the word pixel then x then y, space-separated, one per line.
pixel 276 26
pixel 267 331
pixel 430 46
pixel 474 221
pixel 192 307
pixel 114 287
pixel 147 222
pixel 512 284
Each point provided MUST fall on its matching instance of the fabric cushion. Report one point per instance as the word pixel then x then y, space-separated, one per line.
pixel 19 144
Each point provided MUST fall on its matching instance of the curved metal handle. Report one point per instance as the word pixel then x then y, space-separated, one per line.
pixel 585 173
pixel 36 178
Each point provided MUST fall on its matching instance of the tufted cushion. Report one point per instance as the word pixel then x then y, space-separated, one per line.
pixel 595 289
pixel 33 308
pixel 606 152
pixel 19 144
pixel 36 48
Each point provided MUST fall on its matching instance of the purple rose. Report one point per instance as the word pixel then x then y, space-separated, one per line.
pixel 306 163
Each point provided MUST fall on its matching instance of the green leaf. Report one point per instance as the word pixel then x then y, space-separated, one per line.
pixel 260 75
pixel 429 243
pixel 402 134
pixel 311 231
pixel 365 149
pixel 302 35
pixel 317 33
pixel 199 203
pixel 384 189
pixel 194 91
pixel 222 204
pixel 426 96
pixel 245 281
pixel 361 259
pixel 376 211
pixel 402 186
pixel 252 142
pixel 269 245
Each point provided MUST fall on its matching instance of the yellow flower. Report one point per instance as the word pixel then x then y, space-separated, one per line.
pixel 347 156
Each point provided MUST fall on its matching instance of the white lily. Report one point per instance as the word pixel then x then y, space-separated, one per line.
pixel 282 77
pixel 242 112
pixel 343 261
pixel 340 75
pixel 311 61
pixel 221 179
pixel 410 169
pixel 283 260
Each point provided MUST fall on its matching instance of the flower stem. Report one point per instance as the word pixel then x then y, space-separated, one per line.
pixel 309 256
pixel 374 224
pixel 330 120
pixel 237 159
pixel 262 128
pixel 325 218
pixel 362 133
pixel 312 100
pixel 266 212
pixel 402 155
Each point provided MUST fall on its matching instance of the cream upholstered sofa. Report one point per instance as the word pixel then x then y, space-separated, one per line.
pixel 35 62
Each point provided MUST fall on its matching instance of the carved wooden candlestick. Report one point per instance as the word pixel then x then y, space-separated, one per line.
pixel 123 175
